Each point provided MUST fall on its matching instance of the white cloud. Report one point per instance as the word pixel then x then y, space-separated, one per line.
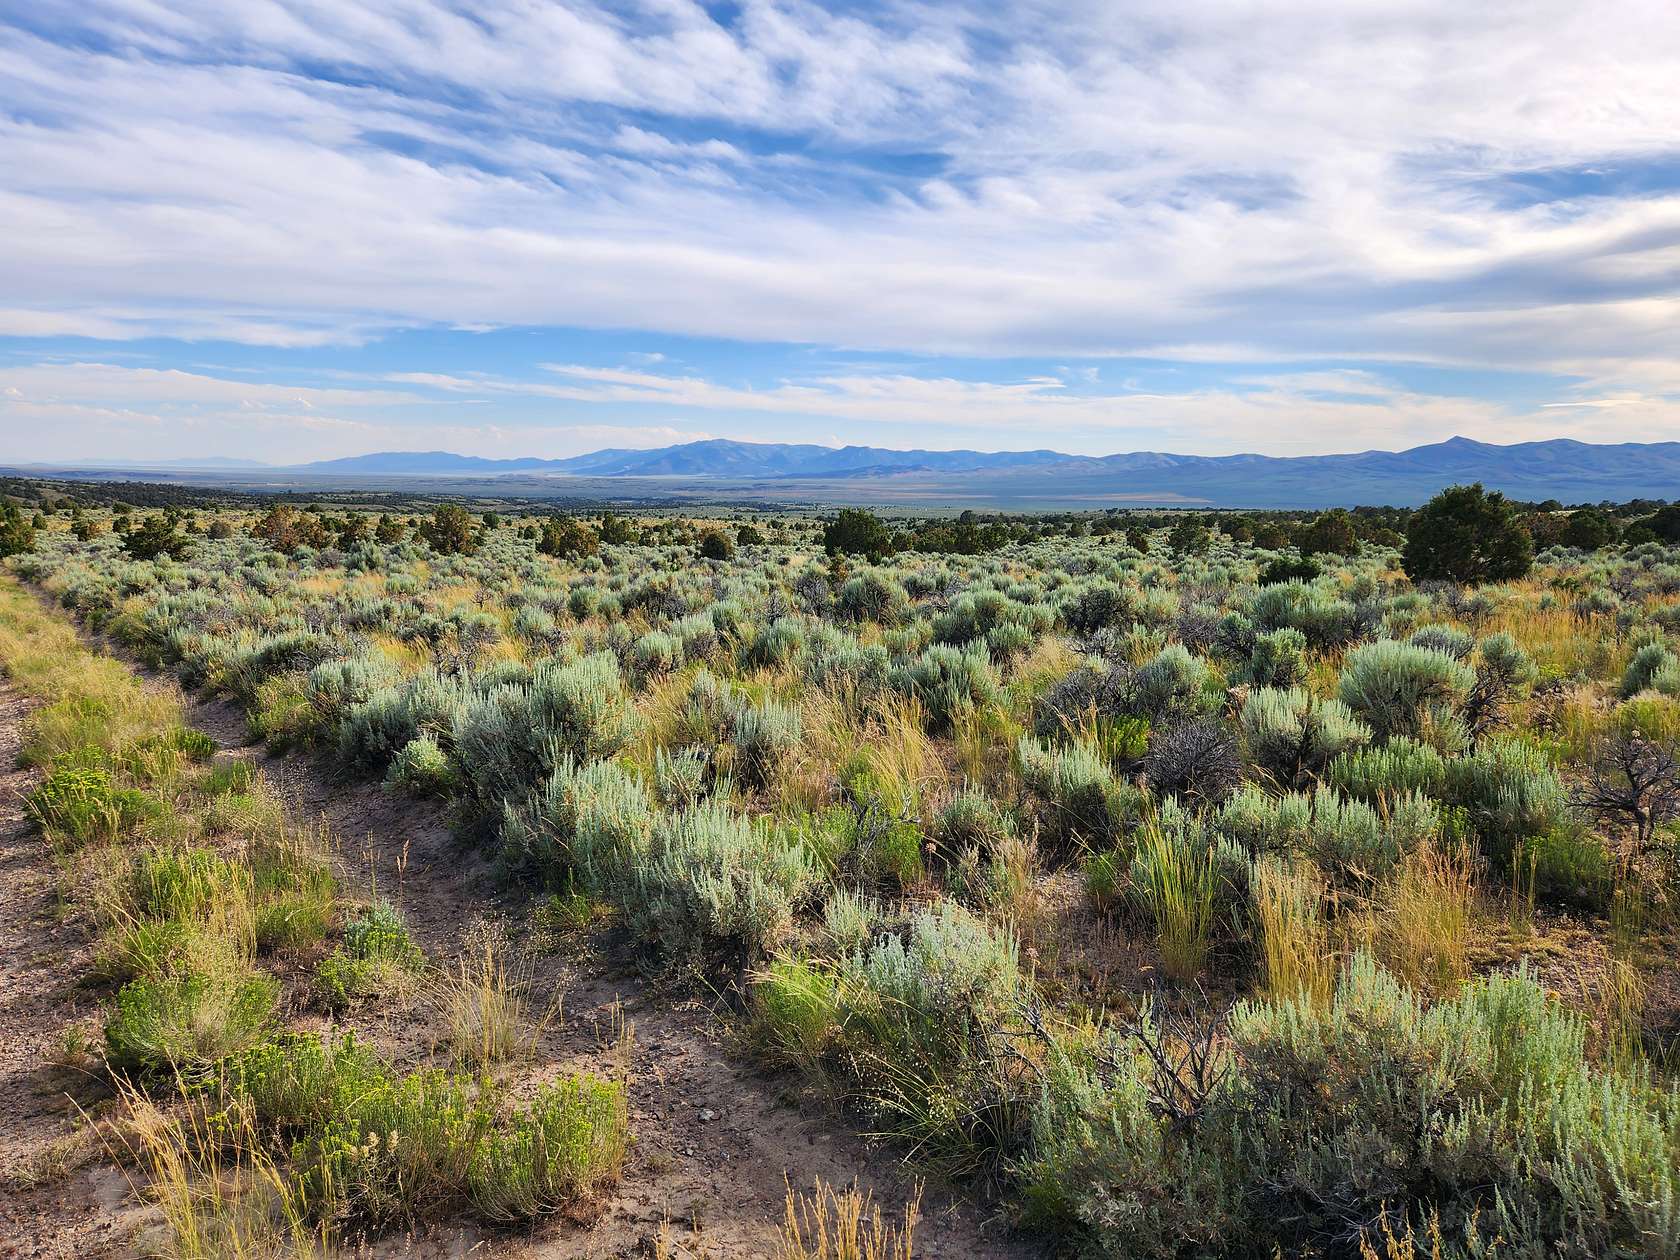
pixel 1307 180
pixel 55 410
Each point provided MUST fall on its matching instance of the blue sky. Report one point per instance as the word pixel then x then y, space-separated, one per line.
pixel 295 230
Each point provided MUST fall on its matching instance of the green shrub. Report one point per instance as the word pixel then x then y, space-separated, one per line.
pixel 1278 659
pixel 1174 685
pixel 422 768
pixel 850 921
pixel 797 1011
pixel 375 953
pixel 1403 689
pixel 1385 773
pixel 76 805
pixel 178 884
pixel 1109 1167
pixel 592 821
pixel 283 714
pixel 1291 735
pixel 508 737
pixel 1355 846
pixel 186 1022
pixel 933 990
pixel 1568 866
pixel 890 847
pixel 971 820
pixel 558 1154
pixel 920 1011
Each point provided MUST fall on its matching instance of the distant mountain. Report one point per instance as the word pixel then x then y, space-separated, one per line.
pixel 425 463
pixel 720 457
pixel 724 471
pixel 717 457
pixel 1570 471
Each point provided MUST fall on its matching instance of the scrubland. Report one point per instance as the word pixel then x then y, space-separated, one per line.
pixel 1171 912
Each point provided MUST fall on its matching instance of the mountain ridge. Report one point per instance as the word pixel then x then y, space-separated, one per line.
pixel 1565 469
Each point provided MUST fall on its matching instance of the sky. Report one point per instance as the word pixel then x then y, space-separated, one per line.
pixel 287 230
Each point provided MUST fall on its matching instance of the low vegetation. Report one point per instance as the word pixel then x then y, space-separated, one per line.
pixel 252 1139
pixel 1202 885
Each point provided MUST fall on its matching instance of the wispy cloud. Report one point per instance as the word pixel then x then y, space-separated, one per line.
pixel 1462 186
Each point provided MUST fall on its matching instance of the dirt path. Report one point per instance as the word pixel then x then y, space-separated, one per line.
pixel 716 1141
pixel 57 1197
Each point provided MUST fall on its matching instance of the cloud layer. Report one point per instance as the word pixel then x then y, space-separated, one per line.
pixel 1482 187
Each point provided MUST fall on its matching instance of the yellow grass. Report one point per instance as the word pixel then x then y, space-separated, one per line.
pixel 1296 957
pixel 830 1224
pixel 1424 933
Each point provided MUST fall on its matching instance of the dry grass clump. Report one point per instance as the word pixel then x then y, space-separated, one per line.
pixel 223 1195
pixel 1296 958
pixel 483 1001
pixel 830 1224
pixel 1423 933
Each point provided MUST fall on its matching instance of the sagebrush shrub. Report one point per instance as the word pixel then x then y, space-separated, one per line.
pixel 1649 663
pixel 1291 736
pixel 715 881
pixel 765 736
pixel 1403 689
pixel 1081 799
pixel 948 680
pixel 1489 1121
pixel 1510 792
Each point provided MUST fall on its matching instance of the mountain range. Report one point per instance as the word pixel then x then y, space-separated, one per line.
pixel 1563 469
pixel 719 469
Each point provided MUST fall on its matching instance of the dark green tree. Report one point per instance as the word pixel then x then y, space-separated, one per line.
pixel 857 532
pixel 17 535
pixel 155 536
pixel 566 537
pixel 450 532
pixel 1664 523
pixel 715 545
pixel 1467 534
pixel 615 530
pixel 1189 537
pixel 1589 529
pixel 1330 534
